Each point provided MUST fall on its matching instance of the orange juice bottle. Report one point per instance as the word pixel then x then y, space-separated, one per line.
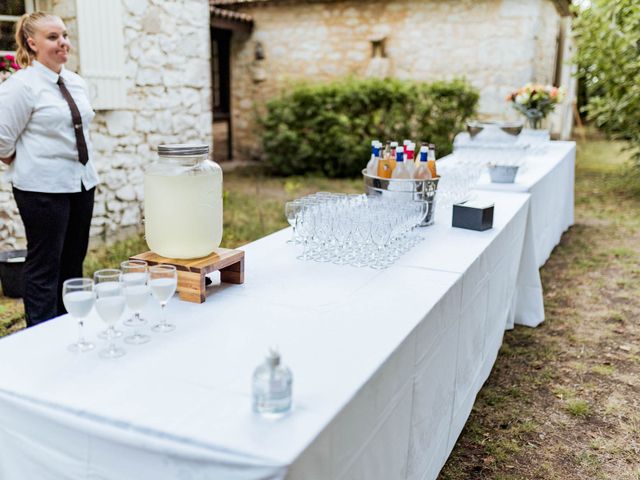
pixel 387 164
pixel 431 160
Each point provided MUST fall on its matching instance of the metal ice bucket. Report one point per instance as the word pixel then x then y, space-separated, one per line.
pixel 405 189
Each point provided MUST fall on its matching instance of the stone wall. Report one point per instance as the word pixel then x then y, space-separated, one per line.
pixel 498 45
pixel 168 78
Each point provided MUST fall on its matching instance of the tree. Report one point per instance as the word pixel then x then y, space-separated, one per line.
pixel 608 40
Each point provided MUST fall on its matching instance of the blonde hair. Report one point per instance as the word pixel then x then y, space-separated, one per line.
pixel 26 28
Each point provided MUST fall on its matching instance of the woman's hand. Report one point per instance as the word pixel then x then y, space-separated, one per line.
pixel 8 160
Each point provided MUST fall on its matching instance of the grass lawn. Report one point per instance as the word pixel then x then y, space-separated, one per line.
pixel 563 400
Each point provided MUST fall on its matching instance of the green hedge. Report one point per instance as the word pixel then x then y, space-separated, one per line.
pixel 328 128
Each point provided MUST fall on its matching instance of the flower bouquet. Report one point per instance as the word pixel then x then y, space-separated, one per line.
pixel 8 66
pixel 535 102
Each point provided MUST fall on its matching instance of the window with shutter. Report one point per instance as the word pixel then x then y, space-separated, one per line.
pixel 10 12
pixel 101 49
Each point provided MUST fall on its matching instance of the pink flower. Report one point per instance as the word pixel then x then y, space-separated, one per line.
pixel 15 66
pixel 10 57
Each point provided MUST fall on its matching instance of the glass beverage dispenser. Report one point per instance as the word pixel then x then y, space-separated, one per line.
pixel 183 202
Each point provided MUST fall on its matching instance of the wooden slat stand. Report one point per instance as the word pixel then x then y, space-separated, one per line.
pixel 191 272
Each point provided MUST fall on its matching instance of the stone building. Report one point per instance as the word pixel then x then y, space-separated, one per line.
pixel 150 65
pixel 261 47
pixel 147 63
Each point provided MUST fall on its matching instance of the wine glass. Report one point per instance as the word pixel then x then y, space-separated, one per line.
pixel 163 280
pixel 77 296
pixel 134 277
pixel 110 303
pixel 291 210
pixel 108 273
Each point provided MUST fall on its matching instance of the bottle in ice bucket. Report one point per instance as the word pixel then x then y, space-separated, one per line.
pixel 386 164
pixel 271 386
pixel 409 163
pixel 372 166
pixel 401 170
pixel 431 160
pixel 394 147
pixel 183 202
pixel 423 172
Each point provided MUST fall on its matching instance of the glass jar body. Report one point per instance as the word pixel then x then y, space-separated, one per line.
pixel 271 390
pixel 183 206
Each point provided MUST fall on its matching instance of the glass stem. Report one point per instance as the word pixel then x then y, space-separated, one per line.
pixel 80 332
pixel 163 320
pixel 136 329
pixel 112 347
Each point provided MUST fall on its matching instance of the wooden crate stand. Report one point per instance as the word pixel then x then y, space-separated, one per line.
pixel 192 272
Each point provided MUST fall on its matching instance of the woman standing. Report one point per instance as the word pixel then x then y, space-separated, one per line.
pixel 44 137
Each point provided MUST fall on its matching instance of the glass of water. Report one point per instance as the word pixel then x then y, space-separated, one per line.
pixel 110 303
pixel 163 281
pixel 77 296
pixel 134 277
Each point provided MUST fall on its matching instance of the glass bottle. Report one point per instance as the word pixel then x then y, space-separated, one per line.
pixel 401 170
pixel 423 172
pixel 183 202
pixel 394 147
pixel 431 162
pixel 386 165
pixel 372 166
pixel 272 387
pixel 409 163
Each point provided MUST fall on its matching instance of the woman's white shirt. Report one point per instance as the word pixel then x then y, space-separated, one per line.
pixel 35 122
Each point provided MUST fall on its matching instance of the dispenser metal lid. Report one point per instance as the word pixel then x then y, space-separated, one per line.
pixel 182 150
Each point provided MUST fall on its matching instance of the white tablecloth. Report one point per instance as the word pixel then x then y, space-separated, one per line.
pixel 549 177
pixel 386 367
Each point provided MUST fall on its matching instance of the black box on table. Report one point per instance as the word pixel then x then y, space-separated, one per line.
pixel 473 215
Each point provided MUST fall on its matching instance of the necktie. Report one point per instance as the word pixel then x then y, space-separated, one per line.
pixel 83 153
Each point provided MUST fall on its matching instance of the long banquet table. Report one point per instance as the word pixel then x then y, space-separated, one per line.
pixel 549 177
pixel 386 365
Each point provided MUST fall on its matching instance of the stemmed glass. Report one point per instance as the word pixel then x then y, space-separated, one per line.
pixel 342 227
pixel 291 210
pixel 380 235
pixel 110 303
pixel 134 277
pixel 305 229
pixel 163 280
pixel 77 296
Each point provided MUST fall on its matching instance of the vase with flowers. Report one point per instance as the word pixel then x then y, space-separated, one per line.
pixel 8 66
pixel 535 102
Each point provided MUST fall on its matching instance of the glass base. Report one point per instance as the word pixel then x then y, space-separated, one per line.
pixel 163 328
pixel 81 346
pixel 112 352
pixel 116 334
pixel 379 266
pixel 273 415
pixel 137 339
pixel 131 322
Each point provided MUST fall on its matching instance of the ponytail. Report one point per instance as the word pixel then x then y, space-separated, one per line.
pixel 25 29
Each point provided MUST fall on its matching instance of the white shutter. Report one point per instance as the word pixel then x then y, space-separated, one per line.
pixel 101 48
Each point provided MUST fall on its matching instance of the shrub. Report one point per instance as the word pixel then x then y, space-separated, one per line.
pixel 328 128
pixel 608 59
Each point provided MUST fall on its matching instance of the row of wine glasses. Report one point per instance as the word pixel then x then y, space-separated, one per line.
pixel 110 291
pixel 359 230
pixel 458 175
